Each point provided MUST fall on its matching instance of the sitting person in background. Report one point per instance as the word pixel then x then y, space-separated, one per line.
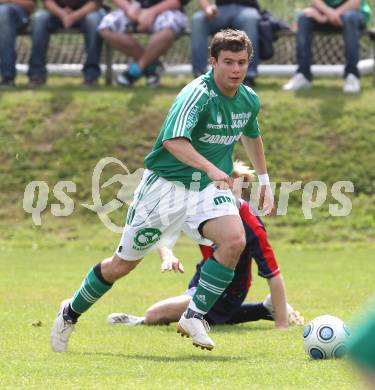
pixel 82 14
pixel 236 14
pixel 14 16
pixel 351 16
pixel 230 308
pixel 164 19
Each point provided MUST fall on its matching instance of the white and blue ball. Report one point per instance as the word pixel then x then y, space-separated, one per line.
pixel 326 337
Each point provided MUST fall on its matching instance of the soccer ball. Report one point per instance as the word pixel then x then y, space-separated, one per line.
pixel 325 337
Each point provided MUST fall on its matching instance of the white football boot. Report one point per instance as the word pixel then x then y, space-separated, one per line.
pixel 125 319
pixel 62 329
pixel 297 83
pixel 294 316
pixel 197 328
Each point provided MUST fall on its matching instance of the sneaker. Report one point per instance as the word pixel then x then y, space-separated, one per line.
pixel 294 316
pixel 153 73
pixel 352 84
pixel 126 319
pixel 125 79
pixel 297 82
pixel 62 328
pixel 7 84
pixel 197 328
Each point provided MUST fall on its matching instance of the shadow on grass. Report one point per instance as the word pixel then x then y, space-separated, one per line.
pixel 164 359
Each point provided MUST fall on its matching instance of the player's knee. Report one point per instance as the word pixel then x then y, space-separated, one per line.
pixel 236 244
pixel 153 317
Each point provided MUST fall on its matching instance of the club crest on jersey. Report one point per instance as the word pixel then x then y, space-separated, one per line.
pixel 219 118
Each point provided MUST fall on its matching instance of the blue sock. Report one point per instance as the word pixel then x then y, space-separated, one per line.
pixel 135 70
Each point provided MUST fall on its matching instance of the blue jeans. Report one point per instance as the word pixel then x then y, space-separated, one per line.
pixel 229 16
pixel 44 23
pixel 12 19
pixel 353 22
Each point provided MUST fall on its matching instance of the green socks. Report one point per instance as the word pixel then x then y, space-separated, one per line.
pixel 214 279
pixel 92 288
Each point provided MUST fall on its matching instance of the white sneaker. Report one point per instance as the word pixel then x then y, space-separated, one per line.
pixel 126 319
pixel 294 316
pixel 197 329
pixel 61 329
pixel 297 82
pixel 352 84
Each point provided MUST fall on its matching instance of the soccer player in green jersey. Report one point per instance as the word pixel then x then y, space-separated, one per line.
pixel 186 186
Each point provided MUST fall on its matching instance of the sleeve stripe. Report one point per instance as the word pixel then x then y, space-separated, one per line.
pixel 186 106
pixel 185 115
pixel 195 94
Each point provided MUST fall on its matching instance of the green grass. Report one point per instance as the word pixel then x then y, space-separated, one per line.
pixel 319 281
pixel 60 132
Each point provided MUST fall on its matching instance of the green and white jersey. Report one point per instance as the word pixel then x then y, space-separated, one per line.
pixel 212 122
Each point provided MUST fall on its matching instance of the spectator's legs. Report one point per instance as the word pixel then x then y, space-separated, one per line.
pixel 93 44
pixel 304 43
pixel 43 23
pixel 352 21
pixel 123 42
pixel 12 17
pixel 246 19
pixel 200 31
pixel 158 44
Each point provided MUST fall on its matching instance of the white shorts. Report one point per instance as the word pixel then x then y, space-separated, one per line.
pixel 161 209
pixel 118 21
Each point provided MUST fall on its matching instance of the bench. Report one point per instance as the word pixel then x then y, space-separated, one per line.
pixel 67 47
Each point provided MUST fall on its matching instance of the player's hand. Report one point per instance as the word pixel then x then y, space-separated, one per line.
pixel 171 263
pixel 220 178
pixel 211 11
pixel 266 201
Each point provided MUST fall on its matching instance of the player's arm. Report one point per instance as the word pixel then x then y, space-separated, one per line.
pixel 278 297
pixel 183 150
pixel 255 151
pixel 169 261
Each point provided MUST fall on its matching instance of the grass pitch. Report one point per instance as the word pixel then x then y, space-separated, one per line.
pixel 326 280
pixel 60 132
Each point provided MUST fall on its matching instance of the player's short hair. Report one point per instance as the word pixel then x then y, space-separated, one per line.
pixel 230 40
pixel 240 169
